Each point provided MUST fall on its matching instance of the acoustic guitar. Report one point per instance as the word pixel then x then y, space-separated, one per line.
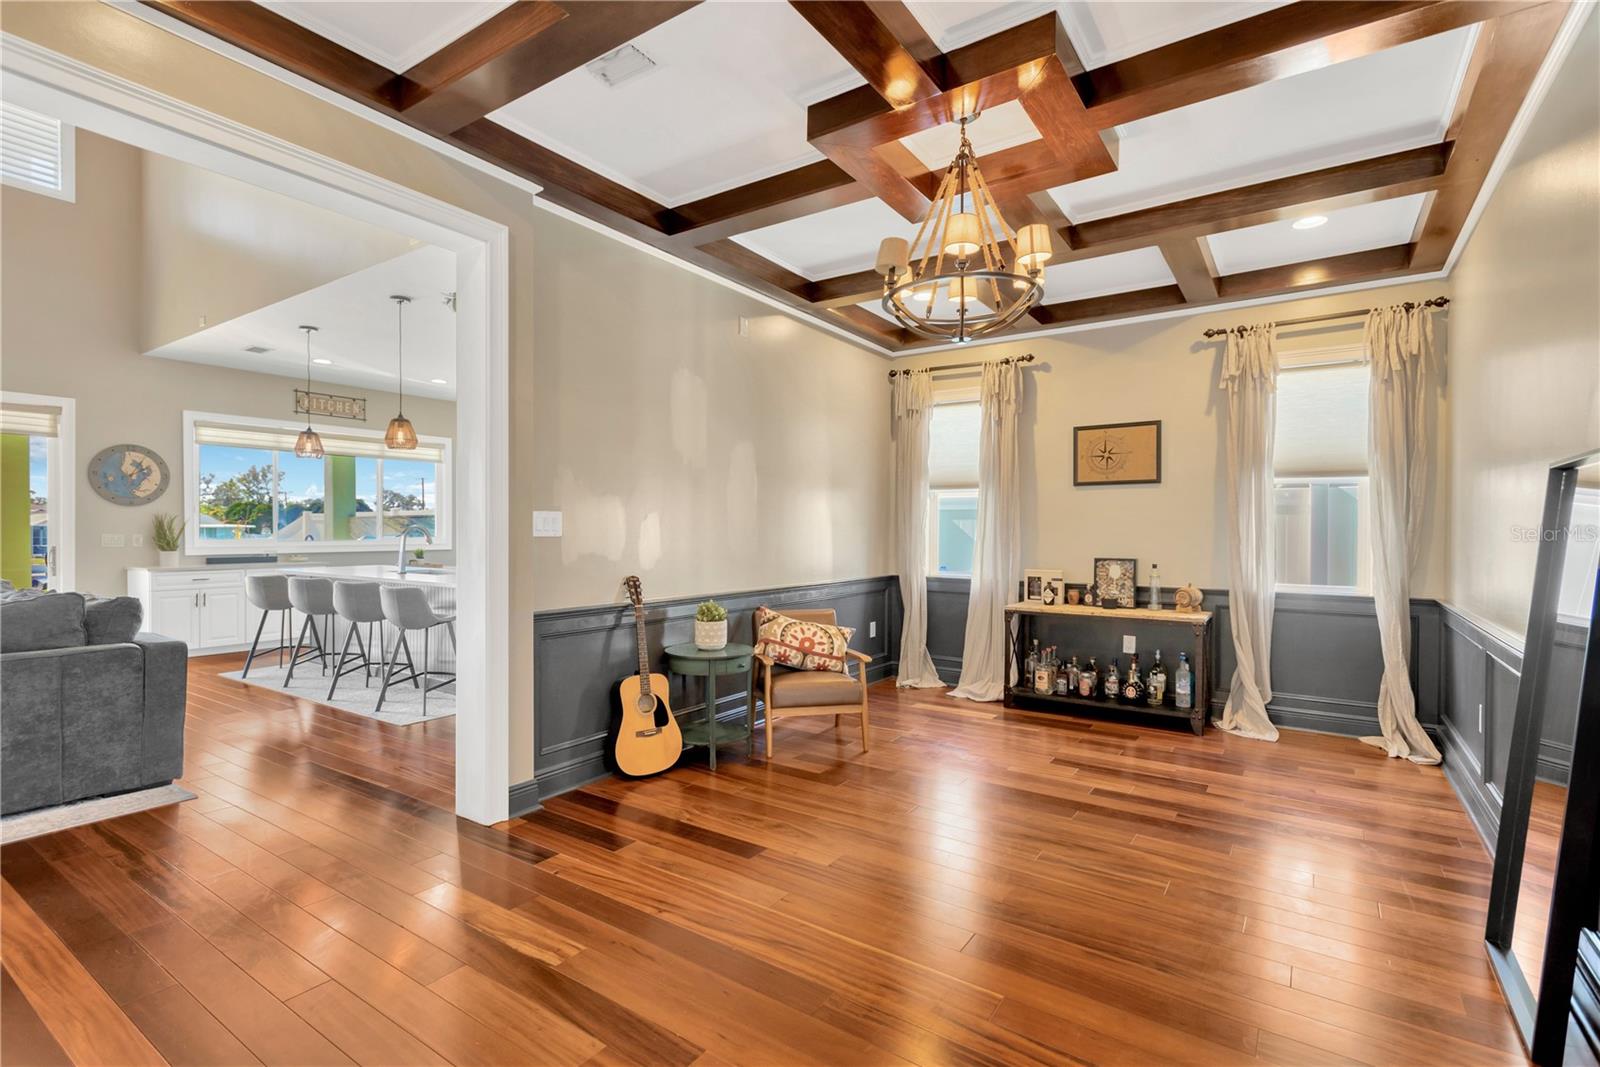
pixel 648 739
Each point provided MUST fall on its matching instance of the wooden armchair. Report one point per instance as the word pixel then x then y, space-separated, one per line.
pixel 787 692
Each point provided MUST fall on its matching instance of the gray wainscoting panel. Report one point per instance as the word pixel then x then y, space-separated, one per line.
pixel 1483 671
pixel 581 653
pixel 947 625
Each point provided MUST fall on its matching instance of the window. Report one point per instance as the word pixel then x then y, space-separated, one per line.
pixel 953 488
pixel 1320 460
pixel 36 152
pixel 249 492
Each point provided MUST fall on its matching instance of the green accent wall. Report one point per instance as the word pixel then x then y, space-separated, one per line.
pixel 16 539
pixel 341 501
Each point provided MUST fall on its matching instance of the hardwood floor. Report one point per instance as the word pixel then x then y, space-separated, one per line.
pixel 983 887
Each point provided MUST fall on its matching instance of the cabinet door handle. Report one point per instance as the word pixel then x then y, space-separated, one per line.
pixel 204 597
pixel 197 600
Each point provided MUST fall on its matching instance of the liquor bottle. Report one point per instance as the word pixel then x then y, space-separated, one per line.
pixel 1029 667
pixel 1183 687
pixel 1113 683
pixel 1133 684
pixel 1073 670
pixel 1088 679
pixel 1155 587
pixel 1155 686
pixel 1067 678
pixel 1044 675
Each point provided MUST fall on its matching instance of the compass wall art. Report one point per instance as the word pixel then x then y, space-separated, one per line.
pixel 1118 453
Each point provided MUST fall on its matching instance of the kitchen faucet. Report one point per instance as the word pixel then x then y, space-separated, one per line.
pixel 404 536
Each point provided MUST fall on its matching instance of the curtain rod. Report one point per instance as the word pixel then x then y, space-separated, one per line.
pixel 1436 302
pixel 963 366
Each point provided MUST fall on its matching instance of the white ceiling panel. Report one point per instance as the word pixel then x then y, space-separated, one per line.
pixel 1351 229
pixel 355 322
pixel 1389 101
pixel 725 104
pixel 1121 272
pixel 1000 127
pixel 1103 31
pixel 841 240
pixel 394 35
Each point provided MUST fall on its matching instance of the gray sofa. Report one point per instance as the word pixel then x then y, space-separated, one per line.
pixel 88 706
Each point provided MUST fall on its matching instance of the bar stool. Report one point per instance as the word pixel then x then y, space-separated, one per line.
pixel 358 603
pixel 267 593
pixel 406 608
pixel 313 598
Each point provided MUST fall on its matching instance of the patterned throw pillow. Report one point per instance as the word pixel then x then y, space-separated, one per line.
pixel 808 646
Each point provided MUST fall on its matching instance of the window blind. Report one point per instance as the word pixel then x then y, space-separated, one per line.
pixel 953 446
pixel 1322 421
pixel 30 420
pixel 332 443
pixel 35 150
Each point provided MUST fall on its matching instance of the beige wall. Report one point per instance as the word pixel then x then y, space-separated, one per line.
pixel 70 328
pixel 1163 370
pixel 216 248
pixel 1526 366
pixel 676 449
pixel 606 343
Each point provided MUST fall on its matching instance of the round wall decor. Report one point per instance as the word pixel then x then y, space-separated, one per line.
pixel 129 475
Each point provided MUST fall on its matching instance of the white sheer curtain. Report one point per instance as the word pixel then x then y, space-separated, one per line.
pixel 1250 375
pixel 913 399
pixel 1403 358
pixel 997 548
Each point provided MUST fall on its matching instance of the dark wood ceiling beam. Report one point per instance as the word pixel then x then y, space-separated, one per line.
pixel 881 330
pixel 268 35
pixel 519 50
pixel 756 266
pixel 781 198
pixel 884 43
pixel 1108 307
pixel 1275 44
pixel 1508 56
pixel 1191 266
pixel 1381 177
pixel 1357 266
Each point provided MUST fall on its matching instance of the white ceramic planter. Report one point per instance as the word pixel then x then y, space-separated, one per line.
pixel 710 636
pixel 169 559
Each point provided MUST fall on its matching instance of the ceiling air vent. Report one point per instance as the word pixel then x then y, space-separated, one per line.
pixel 256 350
pixel 624 64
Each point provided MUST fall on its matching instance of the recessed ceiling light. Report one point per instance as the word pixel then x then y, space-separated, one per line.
pixel 323 362
pixel 1310 222
pixel 438 381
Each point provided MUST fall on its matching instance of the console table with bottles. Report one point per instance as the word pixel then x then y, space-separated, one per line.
pixel 1082 631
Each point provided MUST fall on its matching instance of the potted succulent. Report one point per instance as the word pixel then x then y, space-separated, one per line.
pixel 710 626
pixel 168 538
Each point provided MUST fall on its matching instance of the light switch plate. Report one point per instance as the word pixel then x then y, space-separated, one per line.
pixel 872 628
pixel 111 540
pixel 547 524
pixel 138 541
pixel 1130 644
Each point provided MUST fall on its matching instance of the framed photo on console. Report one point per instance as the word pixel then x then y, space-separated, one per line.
pixel 1114 585
pixel 1037 584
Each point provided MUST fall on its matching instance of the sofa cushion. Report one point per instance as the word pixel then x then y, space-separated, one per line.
pixel 31 622
pixel 813 689
pixel 111 620
pixel 804 644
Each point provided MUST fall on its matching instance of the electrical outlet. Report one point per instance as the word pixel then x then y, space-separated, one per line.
pixel 111 540
pixel 1130 644
pixel 547 524
pixel 1480 718
pixel 872 628
pixel 138 541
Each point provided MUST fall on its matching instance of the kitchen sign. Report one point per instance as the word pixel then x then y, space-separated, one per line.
pixel 330 405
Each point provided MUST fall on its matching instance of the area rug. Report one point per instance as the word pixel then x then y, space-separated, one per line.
pixel 402 707
pixel 28 824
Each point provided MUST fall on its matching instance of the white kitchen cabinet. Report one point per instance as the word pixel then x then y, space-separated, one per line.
pixel 204 608
pixel 173 613
pixel 222 617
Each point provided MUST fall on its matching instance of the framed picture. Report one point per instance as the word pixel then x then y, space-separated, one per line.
pixel 1055 592
pixel 1114 584
pixel 1035 583
pixel 1117 453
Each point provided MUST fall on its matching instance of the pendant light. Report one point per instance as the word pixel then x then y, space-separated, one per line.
pixel 308 445
pixel 401 435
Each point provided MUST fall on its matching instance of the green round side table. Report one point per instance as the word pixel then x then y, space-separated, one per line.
pixel 689 660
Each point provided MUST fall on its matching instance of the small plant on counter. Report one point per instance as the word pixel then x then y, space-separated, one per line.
pixel 416 553
pixel 710 626
pixel 167 535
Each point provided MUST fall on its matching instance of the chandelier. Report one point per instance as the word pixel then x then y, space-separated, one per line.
pixel 960 251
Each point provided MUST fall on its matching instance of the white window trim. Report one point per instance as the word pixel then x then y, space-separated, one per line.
pixel 443 537
pixel 67 152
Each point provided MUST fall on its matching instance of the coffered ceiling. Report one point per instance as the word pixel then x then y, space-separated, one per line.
pixel 1168 145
